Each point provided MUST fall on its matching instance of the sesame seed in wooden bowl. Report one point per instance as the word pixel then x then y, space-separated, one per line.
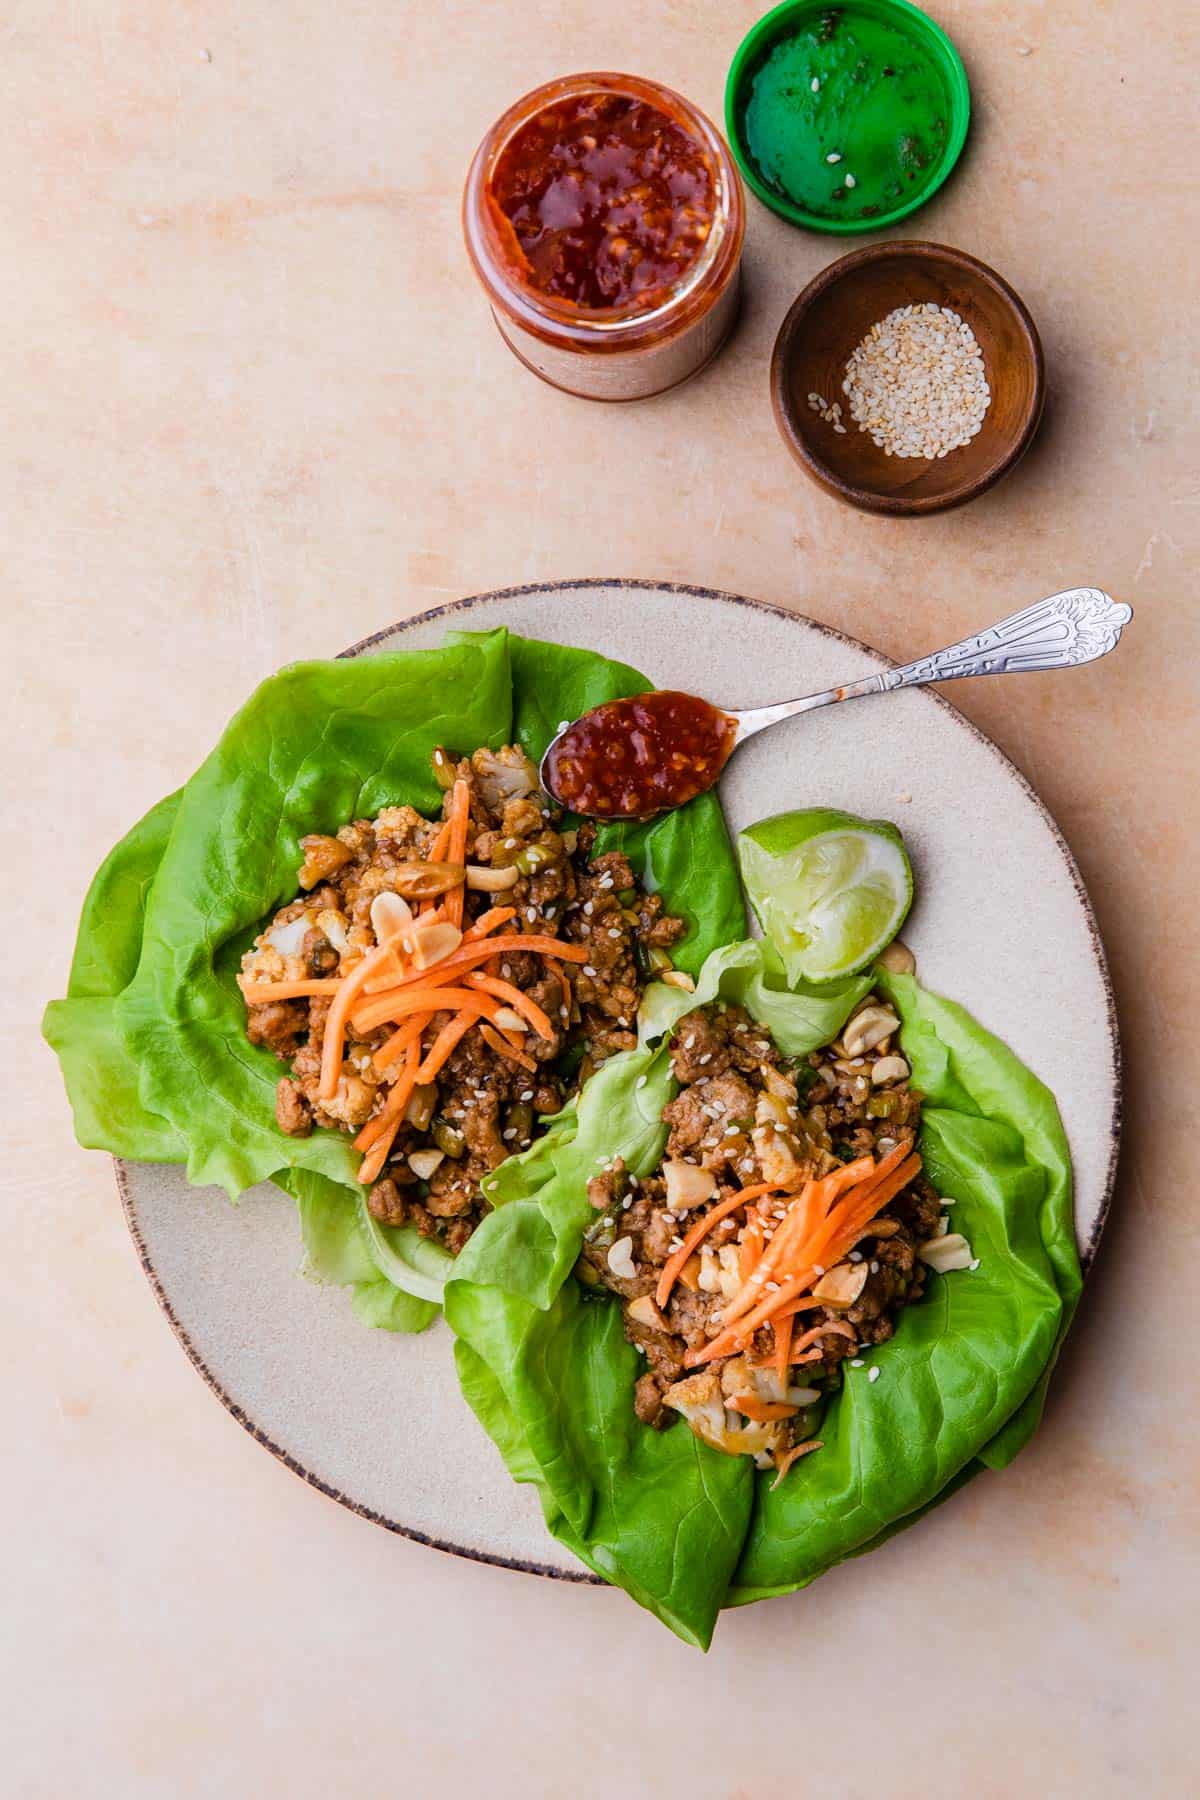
pixel 907 378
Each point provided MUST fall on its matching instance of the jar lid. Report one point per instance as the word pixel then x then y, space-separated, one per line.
pixel 846 118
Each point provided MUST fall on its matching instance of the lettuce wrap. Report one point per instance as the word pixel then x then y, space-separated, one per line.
pixel 684 1528
pixel 151 1036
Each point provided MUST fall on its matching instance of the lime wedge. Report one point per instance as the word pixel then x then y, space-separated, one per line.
pixel 830 891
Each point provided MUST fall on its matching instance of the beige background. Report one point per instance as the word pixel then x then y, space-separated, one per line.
pixel 252 408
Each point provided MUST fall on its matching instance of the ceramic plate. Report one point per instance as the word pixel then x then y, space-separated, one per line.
pixel 1001 923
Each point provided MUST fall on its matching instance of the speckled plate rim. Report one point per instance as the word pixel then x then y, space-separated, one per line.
pixel 450 610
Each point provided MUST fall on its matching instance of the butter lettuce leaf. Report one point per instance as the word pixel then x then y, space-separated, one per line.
pixel 959 1386
pixel 151 1036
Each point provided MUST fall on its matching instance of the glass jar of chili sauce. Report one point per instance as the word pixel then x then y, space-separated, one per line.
pixel 604 218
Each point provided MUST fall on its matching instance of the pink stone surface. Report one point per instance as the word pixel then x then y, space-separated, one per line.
pixel 253 409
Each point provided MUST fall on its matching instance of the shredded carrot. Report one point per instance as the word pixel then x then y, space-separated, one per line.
pixel 456 850
pixel 437 853
pixel 791 1227
pixel 743 1329
pixel 782 1329
pixel 390 1118
pixel 801 1232
pixel 390 1009
pixel 504 990
pixel 763 1411
pixel 488 922
pixel 842 1228
pixel 471 955
pixel 398 1043
pixel 751 1247
pixel 699 1232
pixel 830 1246
pixel 493 1039
pixel 260 993
pixel 335 1025
pixel 443 1045
pixel 784 1461
pixel 837 1327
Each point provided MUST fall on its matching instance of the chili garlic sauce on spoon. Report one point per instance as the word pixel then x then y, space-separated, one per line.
pixel 630 759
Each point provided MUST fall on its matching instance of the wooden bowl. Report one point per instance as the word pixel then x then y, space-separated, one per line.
pixel 834 314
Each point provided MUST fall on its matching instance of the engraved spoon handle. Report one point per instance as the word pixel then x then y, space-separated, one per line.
pixel 1061 632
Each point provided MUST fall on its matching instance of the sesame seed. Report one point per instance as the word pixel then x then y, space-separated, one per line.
pixel 815 84
pixel 641 1081
pixel 835 156
pixel 510 1131
pixel 588 969
pixel 528 1094
pixel 856 1362
pixel 974 1263
pixel 855 1256
pixel 627 1203
pixel 706 1058
pixel 614 934
pixel 873 1266
pixel 563 723
pixel 505 970
pixel 873 1374
pixel 849 180
pixel 917 382
pixel 818 1269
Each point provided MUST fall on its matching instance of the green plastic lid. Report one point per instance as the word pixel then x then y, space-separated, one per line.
pixel 846 118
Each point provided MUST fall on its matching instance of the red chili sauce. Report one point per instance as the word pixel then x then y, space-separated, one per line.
pixel 631 758
pixel 610 200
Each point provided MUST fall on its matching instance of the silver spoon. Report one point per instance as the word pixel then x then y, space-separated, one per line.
pixel 1062 632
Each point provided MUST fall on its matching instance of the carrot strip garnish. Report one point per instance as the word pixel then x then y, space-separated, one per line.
pixel 502 1047
pixel 830 1245
pixel 699 1232
pixel 483 926
pixel 763 1411
pixel 471 955
pixel 838 1327
pixel 504 990
pixel 488 922
pixel 335 1025
pixel 456 849
pixel 398 1043
pixel 443 1046
pixel 784 1462
pixel 791 1230
pixel 391 1118
pixel 782 1329
pixel 842 1228
pixel 751 1247
pixel 470 1007
pixel 440 845
pixel 391 1008
pixel 794 1241
pixel 260 993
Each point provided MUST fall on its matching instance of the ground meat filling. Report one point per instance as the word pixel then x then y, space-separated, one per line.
pixel 746 1115
pixel 483 1107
